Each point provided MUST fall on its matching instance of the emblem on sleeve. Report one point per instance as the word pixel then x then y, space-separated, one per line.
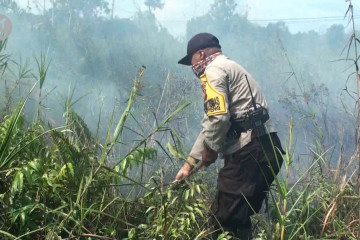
pixel 214 101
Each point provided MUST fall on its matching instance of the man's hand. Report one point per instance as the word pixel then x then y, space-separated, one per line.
pixel 184 172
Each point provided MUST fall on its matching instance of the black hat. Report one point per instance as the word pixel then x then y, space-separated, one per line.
pixel 199 41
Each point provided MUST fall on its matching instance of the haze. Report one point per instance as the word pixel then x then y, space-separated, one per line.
pixel 101 55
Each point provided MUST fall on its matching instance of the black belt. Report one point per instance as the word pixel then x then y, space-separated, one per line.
pixel 243 125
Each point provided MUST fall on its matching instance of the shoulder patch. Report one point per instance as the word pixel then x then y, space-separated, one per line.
pixel 214 101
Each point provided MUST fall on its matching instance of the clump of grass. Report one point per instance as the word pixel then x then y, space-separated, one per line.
pixel 55 185
pixel 42 66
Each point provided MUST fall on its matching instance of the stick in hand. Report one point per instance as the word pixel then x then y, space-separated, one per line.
pixel 177 183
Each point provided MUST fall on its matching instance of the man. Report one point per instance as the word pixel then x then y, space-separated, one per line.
pixel 236 125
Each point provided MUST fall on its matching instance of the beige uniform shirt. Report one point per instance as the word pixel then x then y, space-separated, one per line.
pixel 226 95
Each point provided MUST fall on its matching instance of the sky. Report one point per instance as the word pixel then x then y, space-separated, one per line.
pixel 175 13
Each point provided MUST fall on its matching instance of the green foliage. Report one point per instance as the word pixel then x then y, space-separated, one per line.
pixel 43 67
pixel 10 130
pixel 137 157
pixel 4 58
pixel 56 183
pixel 174 214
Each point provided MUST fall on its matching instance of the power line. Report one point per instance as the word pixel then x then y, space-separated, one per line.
pixel 122 10
pixel 288 20
pixel 312 21
pixel 293 19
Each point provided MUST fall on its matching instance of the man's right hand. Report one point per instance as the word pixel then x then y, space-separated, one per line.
pixel 184 172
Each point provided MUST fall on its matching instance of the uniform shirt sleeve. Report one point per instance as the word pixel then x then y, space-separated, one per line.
pixel 199 143
pixel 217 125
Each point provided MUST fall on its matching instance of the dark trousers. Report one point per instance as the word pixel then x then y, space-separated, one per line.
pixel 243 183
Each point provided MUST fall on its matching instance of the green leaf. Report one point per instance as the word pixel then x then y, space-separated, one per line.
pixel 34 165
pixel 143 226
pixel 22 218
pixel 199 212
pixel 79 191
pixel 124 164
pixel 18 182
pixel 173 201
pixel 70 167
pixel 174 151
pixel 189 208
pixel 198 189
pixel 192 215
pixel 149 209
pixel 202 206
pixel 132 233
pixel 169 194
pixel 187 194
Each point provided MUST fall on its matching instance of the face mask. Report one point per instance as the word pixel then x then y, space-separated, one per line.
pixel 199 68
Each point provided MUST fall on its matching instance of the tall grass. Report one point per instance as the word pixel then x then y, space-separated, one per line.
pixel 354 40
pixel 42 67
pixel 55 185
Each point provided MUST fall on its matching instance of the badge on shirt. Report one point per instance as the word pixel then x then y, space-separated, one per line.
pixel 214 101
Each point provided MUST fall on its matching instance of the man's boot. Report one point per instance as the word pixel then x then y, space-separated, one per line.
pixel 216 230
pixel 215 235
pixel 244 234
pixel 244 231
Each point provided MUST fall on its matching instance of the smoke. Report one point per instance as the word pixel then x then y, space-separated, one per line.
pixel 97 57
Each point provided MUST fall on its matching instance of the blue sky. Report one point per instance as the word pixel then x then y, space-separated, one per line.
pixel 177 12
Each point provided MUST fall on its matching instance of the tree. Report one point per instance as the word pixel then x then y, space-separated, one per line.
pixel 335 36
pixel 85 9
pixel 154 4
pixel 223 9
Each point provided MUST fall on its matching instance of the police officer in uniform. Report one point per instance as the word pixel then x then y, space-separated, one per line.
pixel 236 126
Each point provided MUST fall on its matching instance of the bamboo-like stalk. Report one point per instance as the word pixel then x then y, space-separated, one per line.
pixel 287 164
pixel 43 67
pixel 351 11
pixel 120 126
